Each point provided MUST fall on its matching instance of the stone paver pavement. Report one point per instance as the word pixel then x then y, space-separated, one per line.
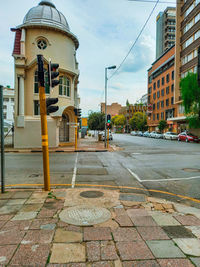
pixel 32 233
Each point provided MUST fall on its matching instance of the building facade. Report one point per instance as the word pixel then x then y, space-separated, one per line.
pixel 161 91
pixel 8 107
pixel 165 30
pixel 187 43
pixel 44 31
pixel 112 109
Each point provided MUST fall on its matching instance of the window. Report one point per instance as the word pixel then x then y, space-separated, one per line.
pixel 4 115
pixel 42 44
pixel 158 105
pixel 162 104
pixel 154 86
pixel 167 90
pixel 173 75
pixel 157 116
pixel 197 18
pixel 64 87
pixel 172 88
pixel 158 83
pixel 154 96
pixel 167 78
pixel 197 35
pixel 162 92
pixel 6 99
pixel 4 107
pixel 154 117
pixel 36 89
pixel 162 115
pixel 150 79
pixel 158 94
pixel 172 100
pixel 163 80
pixel 167 102
pixel 188 42
pixel 36 107
pixel 12 99
pixel 154 106
pixel 149 91
pixel 149 99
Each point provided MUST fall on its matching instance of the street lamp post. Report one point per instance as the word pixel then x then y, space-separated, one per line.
pixel 106 83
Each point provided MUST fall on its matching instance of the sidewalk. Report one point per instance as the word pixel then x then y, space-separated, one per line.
pixel 87 144
pixel 96 227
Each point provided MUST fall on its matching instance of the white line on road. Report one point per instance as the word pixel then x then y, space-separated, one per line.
pixel 161 180
pixel 75 170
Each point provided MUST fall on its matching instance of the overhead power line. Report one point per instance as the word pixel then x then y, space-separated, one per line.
pixel 135 40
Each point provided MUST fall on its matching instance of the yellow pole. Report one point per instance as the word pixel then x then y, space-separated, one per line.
pixel 45 148
pixel 76 129
pixel 108 139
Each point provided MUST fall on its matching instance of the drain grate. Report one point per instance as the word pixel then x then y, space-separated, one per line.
pixel 85 215
pixel 91 194
pixel 191 170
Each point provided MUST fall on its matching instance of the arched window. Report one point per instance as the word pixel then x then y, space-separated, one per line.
pixel 36 89
pixel 65 86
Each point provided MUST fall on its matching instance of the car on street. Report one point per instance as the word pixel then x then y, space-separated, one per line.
pixel 170 136
pixel 146 134
pixel 134 133
pixel 110 135
pixel 140 133
pixel 188 137
pixel 158 135
pixel 152 134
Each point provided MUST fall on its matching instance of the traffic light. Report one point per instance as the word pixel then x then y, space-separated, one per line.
pixel 49 103
pixel 108 125
pixel 77 112
pixel 52 74
pixel 198 67
pixel 108 118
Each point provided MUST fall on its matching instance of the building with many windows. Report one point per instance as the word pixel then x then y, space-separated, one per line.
pixel 187 43
pixel 8 107
pixel 165 30
pixel 112 109
pixel 44 31
pixel 161 91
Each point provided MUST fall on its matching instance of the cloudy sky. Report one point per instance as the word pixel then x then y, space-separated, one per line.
pixel 106 30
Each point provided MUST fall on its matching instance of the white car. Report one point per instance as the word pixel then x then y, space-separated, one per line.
pixel 158 135
pixel 152 134
pixel 134 133
pixel 110 136
pixel 170 136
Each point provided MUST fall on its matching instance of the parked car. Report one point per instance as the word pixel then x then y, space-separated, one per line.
pixel 110 136
pixel 134 133
pixel 188 137
pixel 152 134
pixel 140 133
pixel 146 134
pixel 170 136
pixel 158 135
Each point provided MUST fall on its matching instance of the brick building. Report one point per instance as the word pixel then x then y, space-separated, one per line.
pixel 161 90
pixel 112 109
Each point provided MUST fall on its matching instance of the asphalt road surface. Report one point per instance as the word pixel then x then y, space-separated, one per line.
pixel 141 164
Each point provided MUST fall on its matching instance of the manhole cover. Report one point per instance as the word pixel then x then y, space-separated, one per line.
pixel 191 170
pixel 91 194
pixel 84 215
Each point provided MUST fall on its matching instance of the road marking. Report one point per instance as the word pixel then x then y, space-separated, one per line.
pixel 161 180
pixel 135 175
pixel 75 170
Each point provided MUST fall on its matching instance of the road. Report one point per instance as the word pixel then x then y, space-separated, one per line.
pixel 142 163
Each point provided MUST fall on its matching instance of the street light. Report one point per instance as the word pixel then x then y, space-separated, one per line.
pixel 106 81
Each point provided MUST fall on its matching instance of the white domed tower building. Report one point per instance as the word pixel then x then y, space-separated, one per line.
pixel 44 31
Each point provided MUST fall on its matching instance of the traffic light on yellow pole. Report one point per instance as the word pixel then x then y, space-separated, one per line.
pixel 43 115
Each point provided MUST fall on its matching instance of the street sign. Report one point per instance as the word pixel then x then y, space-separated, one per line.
pixel 72 123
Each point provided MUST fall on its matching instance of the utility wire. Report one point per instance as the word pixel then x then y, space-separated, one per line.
pixel 135 41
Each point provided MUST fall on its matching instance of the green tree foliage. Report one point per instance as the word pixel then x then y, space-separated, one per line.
pixel 162 125
pixel 127 103
pixel 139 121
pixel 96 121
pixel 120 120
pixel 190 92
pixel 113 119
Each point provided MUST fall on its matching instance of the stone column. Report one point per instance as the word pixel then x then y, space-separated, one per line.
pixel 20 118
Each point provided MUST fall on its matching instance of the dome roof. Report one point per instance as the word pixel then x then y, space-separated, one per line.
pixel 46 14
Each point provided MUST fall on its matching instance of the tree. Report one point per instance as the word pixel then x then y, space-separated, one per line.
pixel 127 103
pixel 113 119
pixel 120 120
pixel 190 92
pixel 162 125
pixel 96 121
pixel 139 121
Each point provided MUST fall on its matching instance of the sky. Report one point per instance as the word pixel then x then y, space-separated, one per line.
pixel 106 30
